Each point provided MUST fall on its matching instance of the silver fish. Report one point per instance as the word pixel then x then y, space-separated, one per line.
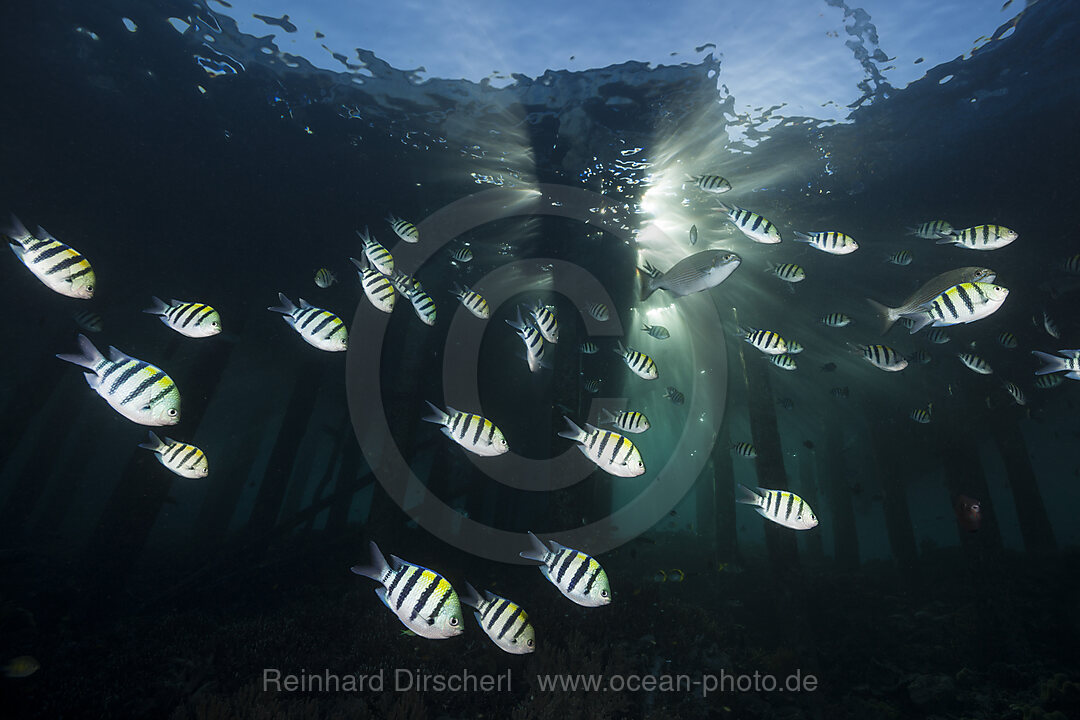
pixel 930 290
pixel 691 274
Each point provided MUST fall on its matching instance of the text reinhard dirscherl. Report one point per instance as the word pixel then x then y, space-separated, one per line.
pixel 409 680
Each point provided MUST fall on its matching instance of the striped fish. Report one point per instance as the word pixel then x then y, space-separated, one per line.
pixel 422 304
pixel 836 320
pixel 589 347
pixel 922 416
pixel 975 363
pixel 882 357
pixel 711 183
pixel 578 576
pixel 642 365
pixel 89 320
pixel 137 390
pixel 832 242
pixel 928 291
pixel 780 506
pixel 610 451
pixel 474 433
pixel 1072 265
pixel 379 257
pixel 744 449
pixel 534 342
pixel 938 336
pixel 788 272
pixel 378 288
pixel 599 311
pixel 1045 382
pixel 902 257
pixel 61 268
pixel 319 328
pixel 931 230
pixel 784 362
pixel 592 386
pixel 766 341
pixel 752 225
pixel 1017 394
pixel 191 319
pixel 626 420
pixel 960 304
pixel 1070 364
pixel 403 229
pixel 324 278
pixel 794 347
pixel 1049 326
pixel 980 237
pixel 919 356
pixel 504 622
pixel 473 301
pixel 404 283
pixel 462 254
pixel 840 393
pixel 183 459
pixel 422 599
pixel 657 331
pixel 546 323
pixel 1007 340
pixel 907 322
pixel 674 395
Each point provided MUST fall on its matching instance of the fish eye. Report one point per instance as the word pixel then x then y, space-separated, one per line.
pixel 172 412
pixel 89 288
pixel 603 593
pixel 529 642
pixel 453 622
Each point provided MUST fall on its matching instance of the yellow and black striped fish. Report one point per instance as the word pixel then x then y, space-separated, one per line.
pixel 784 361
pixel 577 576
pixel 766 341
pixel 610 451
pixel 836 320
pixel 379 256
pixel 192 319
pixel 473 301
pixel 599 311
pixel 183 459
pixel 534 342
pixel 504 622
pixel 882 357
pixel 1072 265
pixel 780 506
pixel 1007 340
pixel 788 272
pixel 744 449
pixel 975 363
pixel 931 230
pixel 61 268
pixel 403 229
pixel 378 288
pixel 422 305
pixel 546 323
pixel 752 225
pixel 672 394
pixel 422 599
pixel 137 390
pixel 922 416
pixel 629 421
pixel 474 433
pixel 981 237
pixel 319 328
pixel 832 242
pixel 960 304
pixel 641 364
pixel 324 278
pixel 711 183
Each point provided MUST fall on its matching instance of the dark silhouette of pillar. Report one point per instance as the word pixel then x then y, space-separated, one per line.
pixel 1030 510
pixel 889 467
pixel 808 490
pixel 845 536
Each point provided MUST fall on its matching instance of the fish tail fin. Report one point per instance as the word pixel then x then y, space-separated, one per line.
pixel 647 281
pixel 746 496
pixel 285 308
pixel 377 569
pixel 802 237
pixel 1053 363
pixel 948 239
pixel 573 432
pixel 88 356
pixel 361 263
pixel 723 207
pixel 469 596
pixel 539 551
pixel 886 315
pixel 606 416
pixel 157 306
pixel 154 443
pixel 15 230
pixel 437 416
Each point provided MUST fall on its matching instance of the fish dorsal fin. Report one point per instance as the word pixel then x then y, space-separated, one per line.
pixel 397 563
pixel 591 429
pixel 170 441
pixel 304 304
pixel 116 356
pixel 451 411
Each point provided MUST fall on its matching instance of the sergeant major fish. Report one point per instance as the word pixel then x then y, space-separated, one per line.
pixel 930 290
pixel 782 507
pixel 473 301
pixel 60 267
pixel 181 458
pixel 626 420
pixel 641 364
pixel 377 255
pixel 474 433
pixel 980 237
pixel 611 452
pixel 403 229
pixel 960 304
pixel 830 241
pixel 191 319
pixel 711 183
pixel 881 357
pixel 577 576
pixel 503 621
pixel 378 288
pixel 319 328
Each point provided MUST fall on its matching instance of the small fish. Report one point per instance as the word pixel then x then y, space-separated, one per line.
pixel 766 341
pixel 975 363
pixel 931 230
pixel 403 229
pixel 589 348
pixel 1050 326
pixel 474 433
pixel 191 319
pixel 592 386
pixel 832 242
pixel 319 328
pixel 20 667
pixel 674 395
pixel 919 356
pixel 324 278
pixel 938 336
pixel 693 234
pixel 534 342
pixel 744 449
pixel 503 621
pixel 922 416
pixel 980 237
pixel 1017 394
pixel 641 364
pixel 422 304
pixel 137 390
pixel 840 393
pixel 657 331
pixel 89 320
pixel 928 291
pixel 780 506
pixel 473 301
pixel 1072 265
pixel 752 225
pixel 794 347
pixel 422 599
pixel 599 311
pixel 901 257
pixel 577 576
pixel 60 267
pixel 784 362
pixel 1045 382
pixel 611 452
pixel 960 304
pixel 786 403
pixel 692 274
pixel 462 254
pixel 659 576
pixel 378 288
pixel 676 575
pixel 379 257
pixel 1007 340
pixel 546 323
pixel 907 322
pixel 788 272
pixel 626 420
pixel 968 512
pixel 882 357
pixel 1054 364
pixel 836 320
pixel 183 459
pixel 711 183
